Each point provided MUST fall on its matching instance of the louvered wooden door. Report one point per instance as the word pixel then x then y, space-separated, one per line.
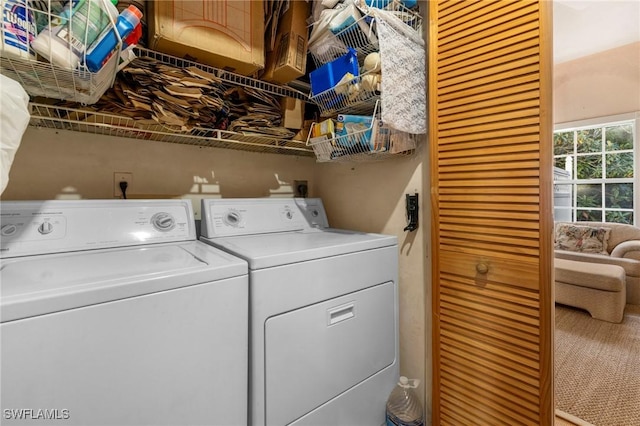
pixel 490 135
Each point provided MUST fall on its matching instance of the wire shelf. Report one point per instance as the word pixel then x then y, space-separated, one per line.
pixel 43 78
pixel 109 124
pixel 368 143
pixel 226 76
pixel 47 80
pixel 360 94
pixel 60 118
pixel 361 34
pixel 356 96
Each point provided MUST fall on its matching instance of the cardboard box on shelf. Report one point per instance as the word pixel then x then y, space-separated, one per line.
pixel 292 113
pixel 303 134
pixel 288 60
pixel 227 35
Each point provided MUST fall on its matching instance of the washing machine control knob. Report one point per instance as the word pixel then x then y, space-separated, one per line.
pixel 163 221
pixel 45 228
pixel 8 230
pixel 232 218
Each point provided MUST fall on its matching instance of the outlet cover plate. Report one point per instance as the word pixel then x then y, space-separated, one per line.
pixel 300 188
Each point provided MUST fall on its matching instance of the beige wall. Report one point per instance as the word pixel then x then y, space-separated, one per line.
pixel 61 164
pixel 603 84
pixel 363 196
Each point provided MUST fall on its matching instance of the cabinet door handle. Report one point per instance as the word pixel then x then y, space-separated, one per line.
pixel 482 268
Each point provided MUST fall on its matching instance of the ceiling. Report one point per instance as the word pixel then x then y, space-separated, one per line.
pixel 585 27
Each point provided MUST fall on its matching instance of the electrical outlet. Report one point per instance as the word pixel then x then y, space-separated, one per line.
pixel 121 177
pixel 300 188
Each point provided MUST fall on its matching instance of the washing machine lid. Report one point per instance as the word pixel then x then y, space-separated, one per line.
pixel 282 248
pixel 36 285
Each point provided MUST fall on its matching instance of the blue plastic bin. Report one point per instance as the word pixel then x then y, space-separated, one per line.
pixel 329 74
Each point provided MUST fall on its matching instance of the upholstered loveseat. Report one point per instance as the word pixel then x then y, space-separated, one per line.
pixel 607 243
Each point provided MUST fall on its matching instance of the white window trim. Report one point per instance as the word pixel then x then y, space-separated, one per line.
pixel 612 120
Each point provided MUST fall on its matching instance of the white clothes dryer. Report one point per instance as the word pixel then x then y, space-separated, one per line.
pixel 323 311
pixel 114 314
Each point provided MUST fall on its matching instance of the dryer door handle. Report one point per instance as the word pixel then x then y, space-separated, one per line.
pixel 341 313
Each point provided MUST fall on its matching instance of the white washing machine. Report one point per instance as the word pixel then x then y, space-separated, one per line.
pixel 323 311
pixel 114 314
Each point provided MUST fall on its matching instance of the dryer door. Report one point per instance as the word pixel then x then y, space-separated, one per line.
pixel 315 353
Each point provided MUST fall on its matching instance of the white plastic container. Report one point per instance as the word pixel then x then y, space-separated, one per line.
pixel 403 406
pixel 18 29
pixel 65 41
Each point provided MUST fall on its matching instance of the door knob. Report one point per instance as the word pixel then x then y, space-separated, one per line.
pixel 482 268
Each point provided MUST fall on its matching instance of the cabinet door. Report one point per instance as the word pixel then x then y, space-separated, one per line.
pixel 491 188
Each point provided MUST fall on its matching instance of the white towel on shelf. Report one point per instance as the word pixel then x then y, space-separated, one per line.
pixel 14 118
pixel 402 57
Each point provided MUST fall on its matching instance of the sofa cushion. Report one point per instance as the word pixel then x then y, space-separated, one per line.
pixel 591 275
pixel 630 266
pixel 581 238
pixel 620 232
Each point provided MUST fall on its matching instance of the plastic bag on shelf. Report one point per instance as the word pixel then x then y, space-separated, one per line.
pixel 14 118
pixel 403 64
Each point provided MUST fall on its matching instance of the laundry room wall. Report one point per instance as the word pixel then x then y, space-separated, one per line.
pixel 371 197
pixel 54 164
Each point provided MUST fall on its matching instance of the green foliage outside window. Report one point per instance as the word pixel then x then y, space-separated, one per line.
pixel 585 148
pixel 619 195
pixel 589 215
pixel 589 195
pixel 619 217
pixel 589 167
pixel 619 137
pixel 589 140
pixel 620 165
pixel 563 143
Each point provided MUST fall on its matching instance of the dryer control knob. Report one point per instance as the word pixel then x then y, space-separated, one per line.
pixel 8 230
pixel 45 228
pixel 163 221
pixel 232 218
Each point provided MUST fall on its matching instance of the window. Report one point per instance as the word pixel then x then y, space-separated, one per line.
pixel 599 161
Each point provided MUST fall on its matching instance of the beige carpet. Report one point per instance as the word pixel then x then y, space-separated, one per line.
pixel 597 367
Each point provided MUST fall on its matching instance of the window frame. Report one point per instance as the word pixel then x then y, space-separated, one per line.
pixel 601 122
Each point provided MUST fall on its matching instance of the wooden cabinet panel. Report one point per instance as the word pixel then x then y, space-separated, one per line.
pixel 503 267
pixel 490 133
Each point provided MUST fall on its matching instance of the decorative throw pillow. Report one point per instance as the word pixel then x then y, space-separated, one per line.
pixel 580 238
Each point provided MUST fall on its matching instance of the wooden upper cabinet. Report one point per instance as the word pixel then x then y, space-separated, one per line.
pixel 490 68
